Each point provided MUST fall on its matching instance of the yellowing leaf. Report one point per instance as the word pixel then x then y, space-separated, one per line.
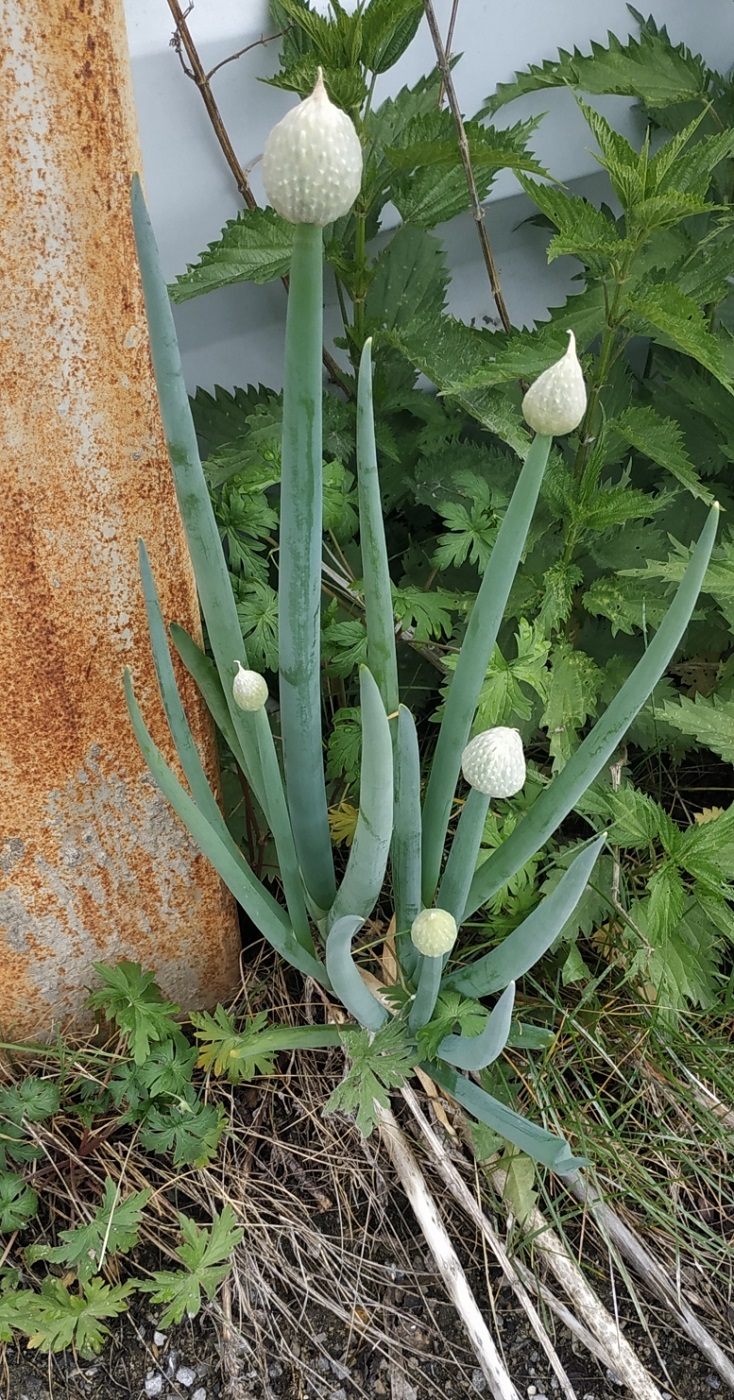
pixel 343 823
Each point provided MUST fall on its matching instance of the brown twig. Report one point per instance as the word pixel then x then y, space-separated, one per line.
pixel 477 211
pixel 182 40
pixel 449 44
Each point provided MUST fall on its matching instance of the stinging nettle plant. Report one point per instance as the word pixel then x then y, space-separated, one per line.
pixel 312 170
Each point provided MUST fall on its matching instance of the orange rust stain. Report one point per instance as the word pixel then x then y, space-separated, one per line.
pixel 92 864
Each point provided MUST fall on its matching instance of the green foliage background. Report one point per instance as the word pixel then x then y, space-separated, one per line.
pixel 652 309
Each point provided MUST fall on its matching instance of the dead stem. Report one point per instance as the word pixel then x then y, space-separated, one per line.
pixel 447 1261
pixel 464 1198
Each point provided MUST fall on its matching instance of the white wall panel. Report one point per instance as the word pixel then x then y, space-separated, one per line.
pixel 236 336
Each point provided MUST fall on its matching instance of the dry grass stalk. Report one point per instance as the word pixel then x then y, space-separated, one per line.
pixel 653 1275
pixel 623 1359
pixel 449 1174
pixel 447 1261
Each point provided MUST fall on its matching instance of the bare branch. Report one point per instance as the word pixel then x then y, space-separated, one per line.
pixel 477 211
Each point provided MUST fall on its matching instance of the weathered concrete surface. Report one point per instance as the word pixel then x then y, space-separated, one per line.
pixel 93 865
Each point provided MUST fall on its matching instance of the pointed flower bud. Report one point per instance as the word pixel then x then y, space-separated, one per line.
pixel 249 689
pixel 312 162
pixel 494 762
pixel 434 932
pixel 556 402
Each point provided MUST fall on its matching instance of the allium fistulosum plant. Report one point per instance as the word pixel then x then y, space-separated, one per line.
pixel 312 168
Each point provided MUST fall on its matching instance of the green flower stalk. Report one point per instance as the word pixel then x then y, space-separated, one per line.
pixel 312 168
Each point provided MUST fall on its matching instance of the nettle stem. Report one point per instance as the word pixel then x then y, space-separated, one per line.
pixel 299 591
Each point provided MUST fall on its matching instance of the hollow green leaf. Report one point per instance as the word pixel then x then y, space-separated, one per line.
pixel 212 579
pixel 282 834
pixel 563 793
pixel 177 721
pixel 475 1052
pixel 345 978
pixel 542 1146
pixel 527 943
pixel 365 873
pixel 381 656
pixel 260 906
pixel 205 673
pixel 430 971
pixel 476 650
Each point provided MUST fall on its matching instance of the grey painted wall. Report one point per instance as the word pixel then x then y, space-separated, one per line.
pixel 235 336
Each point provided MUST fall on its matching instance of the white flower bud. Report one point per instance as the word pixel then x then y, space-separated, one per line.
pixel 312 162
pixel 494 762
pixel 249 689
pixel 556 402
pixel 434 932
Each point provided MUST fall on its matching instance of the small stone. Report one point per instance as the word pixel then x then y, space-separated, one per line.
pixel 159 1338
pixel 199 1393
pixel 479 1380
pixel 713 1381
pixel 613 1378
pixel 185 1376
pixel 532 1390
pixel 153 1383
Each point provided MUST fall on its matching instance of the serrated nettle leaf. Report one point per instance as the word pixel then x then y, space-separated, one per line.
pixel 627 606
pixel 709 720
pixel 664 210
pixel 388 27
pixel 409 280
pixel 450 352
pixel 672 318
pixel 661 440
pixel 583 230
pixel 650 68
pixel 224 416
pixel 572 695
pixel 255 247
pixel 692 170
pixel 626 168
pixel 345 84
pixel 559 585
pixel 385 125
pixel 322 34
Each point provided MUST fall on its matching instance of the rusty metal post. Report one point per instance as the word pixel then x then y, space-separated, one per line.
pixel 93 864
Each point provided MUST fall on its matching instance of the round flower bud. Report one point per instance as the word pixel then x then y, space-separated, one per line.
pixel 249 689
pixel 312 162
pixel 494 762
pixel 434 932
pixel 556 402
